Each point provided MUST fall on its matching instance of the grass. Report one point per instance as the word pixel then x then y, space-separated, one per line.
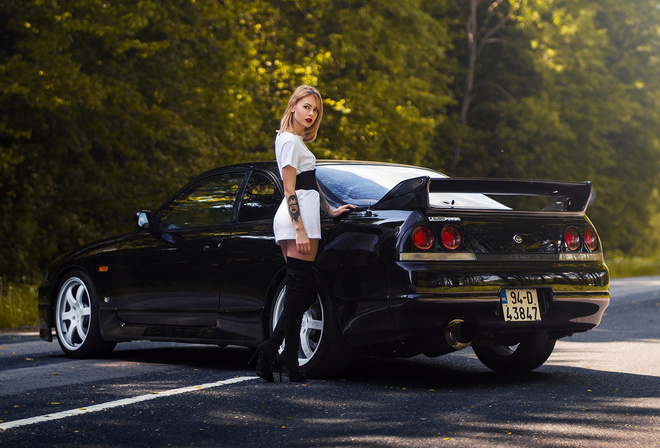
pixel 18 305
pixel 633 266
pixel 18 302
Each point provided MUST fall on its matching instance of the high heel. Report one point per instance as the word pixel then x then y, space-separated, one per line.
pixel 292 369
pixel 264 358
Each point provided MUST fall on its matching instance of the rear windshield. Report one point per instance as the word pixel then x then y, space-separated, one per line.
pixel 364 185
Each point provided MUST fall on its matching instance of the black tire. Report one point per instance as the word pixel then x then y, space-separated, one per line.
pixel 533 350
pixel 323 350
pixel 77 318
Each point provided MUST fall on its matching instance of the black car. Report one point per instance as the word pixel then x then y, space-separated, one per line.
pixel 425 265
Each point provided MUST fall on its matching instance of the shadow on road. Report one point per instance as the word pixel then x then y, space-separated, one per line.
pixel 423 402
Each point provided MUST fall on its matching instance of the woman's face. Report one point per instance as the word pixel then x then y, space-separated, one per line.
pixel 305 113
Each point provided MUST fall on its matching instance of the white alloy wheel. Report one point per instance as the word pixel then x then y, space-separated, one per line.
pixel 323 350
pixel 73 314
pixel 77 321
pixel 311 329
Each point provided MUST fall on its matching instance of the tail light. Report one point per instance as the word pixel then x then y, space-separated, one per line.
pixel 572 238
pixel 590 239
pixel 423 238
pixel 451 237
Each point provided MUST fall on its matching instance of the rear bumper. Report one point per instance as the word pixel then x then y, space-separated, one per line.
pixel 578 294
pixel 566 313
pixel 425 297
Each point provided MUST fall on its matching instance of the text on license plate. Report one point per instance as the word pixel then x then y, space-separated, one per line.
pixel 520 305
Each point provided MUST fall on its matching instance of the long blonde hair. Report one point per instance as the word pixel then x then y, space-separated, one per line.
pixel 309 134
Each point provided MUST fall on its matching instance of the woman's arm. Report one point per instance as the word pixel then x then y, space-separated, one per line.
pixel 333 212
pixel 289 181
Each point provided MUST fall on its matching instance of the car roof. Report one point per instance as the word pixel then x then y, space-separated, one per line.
pixel 271 165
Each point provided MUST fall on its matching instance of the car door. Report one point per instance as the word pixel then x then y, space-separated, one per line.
pixel 172 276
pixel 254 260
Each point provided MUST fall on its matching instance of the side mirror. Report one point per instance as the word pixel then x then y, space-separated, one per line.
pixel 142 220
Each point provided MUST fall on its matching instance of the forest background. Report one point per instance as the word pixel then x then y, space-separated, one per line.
pixel 107 107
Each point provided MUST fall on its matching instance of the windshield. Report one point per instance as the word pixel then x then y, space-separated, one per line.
pixel 364 185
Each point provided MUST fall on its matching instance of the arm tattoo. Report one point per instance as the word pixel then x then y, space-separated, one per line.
pixel 294 209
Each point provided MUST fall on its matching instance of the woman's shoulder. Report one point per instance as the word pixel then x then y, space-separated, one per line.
pixel 286 135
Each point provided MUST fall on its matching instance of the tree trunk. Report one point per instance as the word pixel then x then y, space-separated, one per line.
pixel 471 31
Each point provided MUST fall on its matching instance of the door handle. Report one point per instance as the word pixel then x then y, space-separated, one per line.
pixel 213 244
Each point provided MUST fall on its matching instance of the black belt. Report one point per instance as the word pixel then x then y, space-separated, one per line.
pixel 306 181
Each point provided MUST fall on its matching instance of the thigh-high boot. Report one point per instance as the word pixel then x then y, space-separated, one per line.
pixel 300 294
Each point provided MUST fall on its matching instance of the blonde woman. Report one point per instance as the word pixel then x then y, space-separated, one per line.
pixel 297 228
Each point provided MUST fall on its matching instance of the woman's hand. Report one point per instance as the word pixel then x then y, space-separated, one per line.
pixel 334 212
pixel 303 245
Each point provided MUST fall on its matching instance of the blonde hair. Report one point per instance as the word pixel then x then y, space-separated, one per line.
pixel 309 134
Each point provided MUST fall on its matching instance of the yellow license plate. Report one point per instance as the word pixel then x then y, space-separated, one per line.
pixel 520 305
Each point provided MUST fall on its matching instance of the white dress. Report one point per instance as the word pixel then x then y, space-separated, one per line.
pixel 290 150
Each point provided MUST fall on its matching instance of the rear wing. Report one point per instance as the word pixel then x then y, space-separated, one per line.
pixel 497 194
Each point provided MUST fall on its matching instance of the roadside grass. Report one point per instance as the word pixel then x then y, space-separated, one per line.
pixel 18 301
pixel 18 304
pixel 621 267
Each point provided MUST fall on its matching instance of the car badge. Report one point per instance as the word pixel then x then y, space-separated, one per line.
pixel 517 239
pixel 444 219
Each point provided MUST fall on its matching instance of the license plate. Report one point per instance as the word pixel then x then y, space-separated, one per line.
pixel 520 305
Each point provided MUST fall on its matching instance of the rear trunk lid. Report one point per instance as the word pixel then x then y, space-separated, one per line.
pixel 498 219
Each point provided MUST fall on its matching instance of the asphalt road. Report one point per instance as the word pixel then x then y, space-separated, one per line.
pixel 600 388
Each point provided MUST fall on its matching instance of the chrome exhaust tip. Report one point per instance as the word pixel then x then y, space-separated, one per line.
pixel 460 334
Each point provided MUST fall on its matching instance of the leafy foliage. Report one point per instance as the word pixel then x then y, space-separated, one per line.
pixel 108 106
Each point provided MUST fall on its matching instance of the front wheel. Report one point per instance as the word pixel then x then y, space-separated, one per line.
pixel 77 318
pixel 323 351
pixel 533 350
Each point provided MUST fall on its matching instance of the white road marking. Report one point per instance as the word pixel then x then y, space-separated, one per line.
pixel 118 403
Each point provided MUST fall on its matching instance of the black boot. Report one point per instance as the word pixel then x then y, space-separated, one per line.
pixel 290 366
pixel 300 294
pixel 264 358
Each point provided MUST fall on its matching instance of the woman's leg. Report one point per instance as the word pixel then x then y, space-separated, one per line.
pixel 277 337
pixel 300 294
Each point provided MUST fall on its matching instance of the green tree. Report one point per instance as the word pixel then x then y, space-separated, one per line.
pixel 378 64
pixel 587 115
pixel 105 107
pixel 102 110
pixel 484 23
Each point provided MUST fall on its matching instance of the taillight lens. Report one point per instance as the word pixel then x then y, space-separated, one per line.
pixel 423 238
pixel 590 239
pixel 572 238
pixel 451 237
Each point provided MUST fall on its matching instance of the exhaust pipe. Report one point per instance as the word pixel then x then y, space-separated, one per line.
pixel 459 334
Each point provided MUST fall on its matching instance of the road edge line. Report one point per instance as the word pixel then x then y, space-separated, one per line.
pixel 118 403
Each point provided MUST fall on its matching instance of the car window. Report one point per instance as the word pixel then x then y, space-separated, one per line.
pixel 261 199
pixel 365 184
pixel 207 203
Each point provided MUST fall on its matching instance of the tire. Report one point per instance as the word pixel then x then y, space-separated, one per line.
pixel 77 322
pixel 532 351
pixel 323 351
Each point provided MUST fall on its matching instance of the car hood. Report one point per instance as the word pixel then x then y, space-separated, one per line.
pixel 78 255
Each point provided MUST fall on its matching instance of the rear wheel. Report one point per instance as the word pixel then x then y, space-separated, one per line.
pixel 533 350
pixel 323 351
pixel 77 318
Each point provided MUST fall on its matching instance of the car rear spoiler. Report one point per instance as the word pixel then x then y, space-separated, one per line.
pixel 562 196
